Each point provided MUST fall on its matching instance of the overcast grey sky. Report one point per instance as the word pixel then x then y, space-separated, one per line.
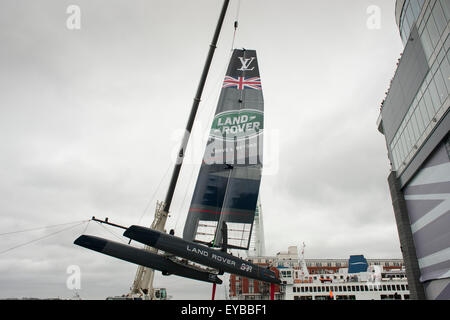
pixel 90 119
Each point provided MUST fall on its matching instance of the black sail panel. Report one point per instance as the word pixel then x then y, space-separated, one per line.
pixel 228 183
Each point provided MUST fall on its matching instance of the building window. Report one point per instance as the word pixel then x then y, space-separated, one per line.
pixel 430 99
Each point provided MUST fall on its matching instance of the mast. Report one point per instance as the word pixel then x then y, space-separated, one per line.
pixel 143 282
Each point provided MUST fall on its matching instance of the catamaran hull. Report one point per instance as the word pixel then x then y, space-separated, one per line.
pixel 144 258
pixel 200 254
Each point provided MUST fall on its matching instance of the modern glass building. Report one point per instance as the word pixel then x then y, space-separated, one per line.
pixel 415 121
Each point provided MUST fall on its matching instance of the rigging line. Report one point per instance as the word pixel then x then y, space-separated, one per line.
pixel 182 205
pixel 214 88
pixel 154 194
pixel 87 225
pixel 115 235
pixel 39 228
pixel 49 235
pixel 217 82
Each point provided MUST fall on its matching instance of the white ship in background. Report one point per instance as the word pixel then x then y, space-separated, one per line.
pixel 324 279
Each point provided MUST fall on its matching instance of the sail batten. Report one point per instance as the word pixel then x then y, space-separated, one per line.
pixel 228 182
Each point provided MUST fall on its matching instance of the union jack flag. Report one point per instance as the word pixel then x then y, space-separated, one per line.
pixel 241 83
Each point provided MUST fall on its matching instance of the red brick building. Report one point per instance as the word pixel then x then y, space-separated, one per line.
pixel 240 286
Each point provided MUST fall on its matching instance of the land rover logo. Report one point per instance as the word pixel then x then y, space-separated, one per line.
pixel 240 124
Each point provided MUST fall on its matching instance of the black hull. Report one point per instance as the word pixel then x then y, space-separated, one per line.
pixel 144 258
pixel 198 253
